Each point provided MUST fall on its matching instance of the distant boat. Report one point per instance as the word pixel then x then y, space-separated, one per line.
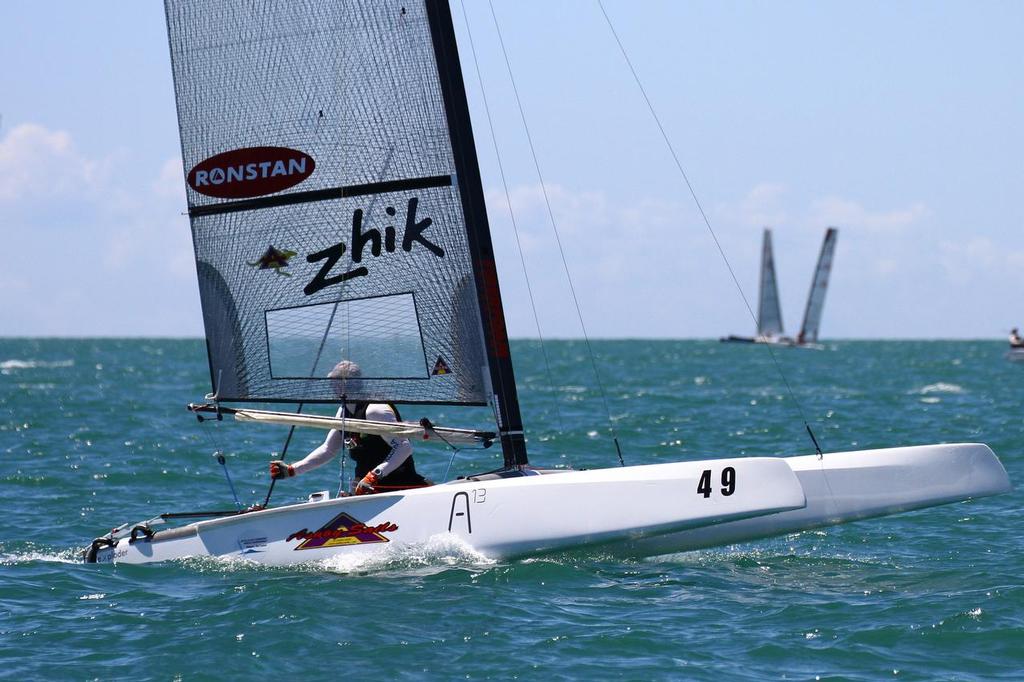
pixel 819 285
pixel 769 314
pixel 1016 352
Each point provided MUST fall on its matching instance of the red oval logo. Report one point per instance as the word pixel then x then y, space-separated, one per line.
pixel 250 172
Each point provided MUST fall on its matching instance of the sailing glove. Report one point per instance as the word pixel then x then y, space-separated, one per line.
pixel 366 485
pixel 278 469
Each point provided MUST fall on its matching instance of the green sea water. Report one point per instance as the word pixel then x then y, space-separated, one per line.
pixel 94 433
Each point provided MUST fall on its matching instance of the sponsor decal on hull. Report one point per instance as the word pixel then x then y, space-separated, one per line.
pixel 342 530
pixel 250 172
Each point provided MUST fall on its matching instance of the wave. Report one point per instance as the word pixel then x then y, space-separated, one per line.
pixel 436 555
pixel 439 553
pixel 941 387
pixel 67 556
pixel 6 365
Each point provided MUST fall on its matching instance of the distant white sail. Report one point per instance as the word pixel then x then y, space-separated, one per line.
pixel 816 297
pixel 769 315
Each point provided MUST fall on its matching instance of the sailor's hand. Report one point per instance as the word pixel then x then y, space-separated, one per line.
pixel 278 469
pixel 367 485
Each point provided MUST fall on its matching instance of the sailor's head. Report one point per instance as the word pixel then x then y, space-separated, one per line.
pixel 346 377
pixel 1013 331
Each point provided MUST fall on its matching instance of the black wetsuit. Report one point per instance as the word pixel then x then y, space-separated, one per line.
pixel 369 451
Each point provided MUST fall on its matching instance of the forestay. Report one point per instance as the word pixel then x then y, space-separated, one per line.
pixel 326 212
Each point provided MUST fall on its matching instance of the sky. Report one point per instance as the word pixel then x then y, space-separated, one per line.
pixel 898 123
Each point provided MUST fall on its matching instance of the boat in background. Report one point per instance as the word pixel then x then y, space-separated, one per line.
pixel 337 213
pixel 1016 352
pixel 769 314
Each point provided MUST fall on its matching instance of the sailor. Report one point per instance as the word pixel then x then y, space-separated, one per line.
pixel 382 464
pixel 1015 340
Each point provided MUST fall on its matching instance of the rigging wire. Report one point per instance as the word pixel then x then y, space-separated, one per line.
pixel 218 454
pixel 558 239
pixel 512 215
pixel 707 222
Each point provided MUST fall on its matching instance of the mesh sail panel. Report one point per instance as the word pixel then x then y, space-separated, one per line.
pixel 326 218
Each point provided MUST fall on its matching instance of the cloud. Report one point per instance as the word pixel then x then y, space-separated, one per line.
pixel 761 207
pixel 584 214
pixel 171 182
pixel 574 211
pixel 108 253
pixel 38 163
pixel 965 260
pixel 639 265
pixel 848 213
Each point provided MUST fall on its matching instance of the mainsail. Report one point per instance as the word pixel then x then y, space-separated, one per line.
pixel 336 205
pixel 769 315
pixel 819 285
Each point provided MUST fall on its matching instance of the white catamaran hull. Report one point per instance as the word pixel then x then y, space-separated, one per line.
pixel 638 511
pixel 772 341
pixel 849 486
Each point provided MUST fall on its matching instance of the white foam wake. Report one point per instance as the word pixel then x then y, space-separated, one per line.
pixel 941 387
pixel 68 556
pixel 438 553
pixel 7 366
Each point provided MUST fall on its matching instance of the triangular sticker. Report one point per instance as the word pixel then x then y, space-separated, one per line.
pixel 342 530
pixel 440 367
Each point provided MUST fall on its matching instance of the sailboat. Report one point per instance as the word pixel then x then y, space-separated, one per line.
pixel 337 212
pixel 769 314
pixel 1016 352
pixel 808 335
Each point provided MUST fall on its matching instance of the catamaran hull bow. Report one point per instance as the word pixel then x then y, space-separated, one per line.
pixel 848 486
pixel 638 511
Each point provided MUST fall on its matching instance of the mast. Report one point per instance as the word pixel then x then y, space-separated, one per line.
pixel 499 359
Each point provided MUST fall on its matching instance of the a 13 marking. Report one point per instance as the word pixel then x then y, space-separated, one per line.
pixel 728 482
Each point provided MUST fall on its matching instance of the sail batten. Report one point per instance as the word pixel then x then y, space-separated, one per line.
pixel 324 195
pixel 329 211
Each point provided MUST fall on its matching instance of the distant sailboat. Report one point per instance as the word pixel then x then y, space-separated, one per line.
pixel 769 314
pixel 819 285
pixel 1016 352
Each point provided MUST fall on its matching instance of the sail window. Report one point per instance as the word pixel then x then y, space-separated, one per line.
pixel 381 334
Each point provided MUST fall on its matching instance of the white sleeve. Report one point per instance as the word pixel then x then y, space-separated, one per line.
pixel 401 448
pixel 323 454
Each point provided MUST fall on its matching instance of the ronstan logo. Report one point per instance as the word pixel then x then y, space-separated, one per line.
pixel 250 172
pixel 342 530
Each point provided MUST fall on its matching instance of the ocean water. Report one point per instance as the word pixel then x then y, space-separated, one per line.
pixel 94 433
